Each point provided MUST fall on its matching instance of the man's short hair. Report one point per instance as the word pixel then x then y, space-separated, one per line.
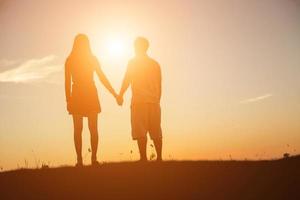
pixel 141 43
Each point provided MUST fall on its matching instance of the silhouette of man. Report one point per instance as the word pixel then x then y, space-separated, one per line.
pixel 144 75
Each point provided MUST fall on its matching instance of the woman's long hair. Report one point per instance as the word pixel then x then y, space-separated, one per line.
pixel 81 47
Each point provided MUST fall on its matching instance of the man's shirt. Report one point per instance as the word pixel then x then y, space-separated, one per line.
pixel 144 75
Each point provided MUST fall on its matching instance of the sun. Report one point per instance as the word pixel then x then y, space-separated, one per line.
pixel 113 49
pixel 116 47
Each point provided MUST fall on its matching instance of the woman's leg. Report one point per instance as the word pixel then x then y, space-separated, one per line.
pixel 77 121
pixel 93 127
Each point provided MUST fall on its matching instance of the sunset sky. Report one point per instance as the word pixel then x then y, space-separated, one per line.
pixel 231 77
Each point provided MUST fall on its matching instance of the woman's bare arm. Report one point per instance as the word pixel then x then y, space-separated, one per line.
pixel 104 80
pixel 67 82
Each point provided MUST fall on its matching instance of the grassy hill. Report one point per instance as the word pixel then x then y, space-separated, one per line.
pixel 278 179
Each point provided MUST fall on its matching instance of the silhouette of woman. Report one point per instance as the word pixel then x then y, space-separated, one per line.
pixel 82 97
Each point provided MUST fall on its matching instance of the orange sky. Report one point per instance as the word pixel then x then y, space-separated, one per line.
pixel 230 77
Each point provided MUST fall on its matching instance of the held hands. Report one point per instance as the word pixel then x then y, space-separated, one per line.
pixel 119 100
pixel 118 97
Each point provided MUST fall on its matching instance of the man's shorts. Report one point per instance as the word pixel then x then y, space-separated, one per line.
pixel 145 117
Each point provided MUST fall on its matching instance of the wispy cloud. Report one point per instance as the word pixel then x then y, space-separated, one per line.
pixel 6 62
pixel 31 70
pixel 256 99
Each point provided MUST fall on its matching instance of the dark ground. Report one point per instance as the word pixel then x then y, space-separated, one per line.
pixel 279 179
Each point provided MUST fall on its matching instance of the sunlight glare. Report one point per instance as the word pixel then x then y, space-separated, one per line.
pixel 116 48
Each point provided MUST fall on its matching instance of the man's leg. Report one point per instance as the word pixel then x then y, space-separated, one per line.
pixel 158 148
pixel 155 129
pixel 138 128
pixel 142 143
